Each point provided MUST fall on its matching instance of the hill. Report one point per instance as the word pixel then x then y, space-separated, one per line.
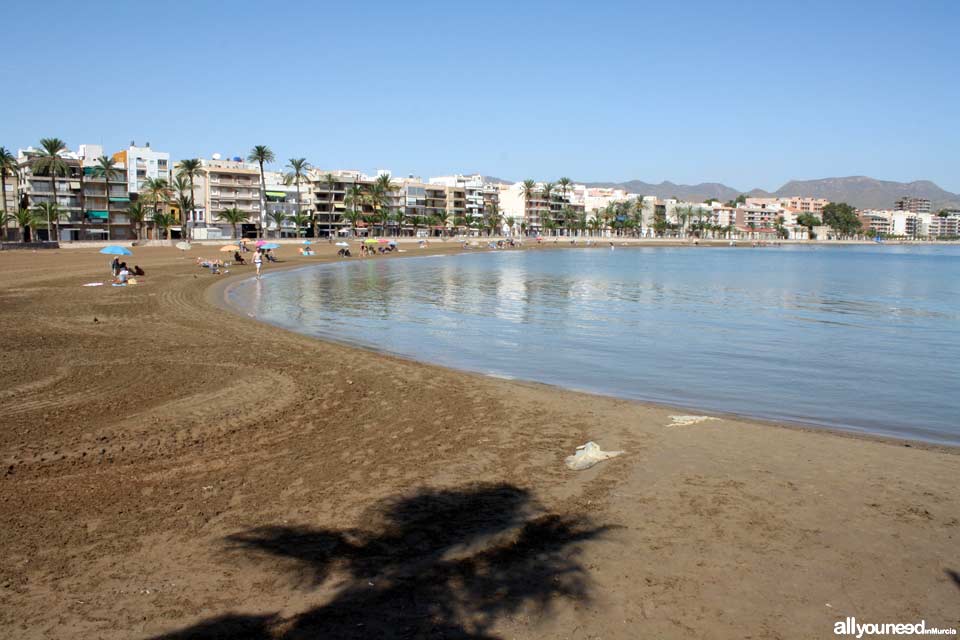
pixel 860 191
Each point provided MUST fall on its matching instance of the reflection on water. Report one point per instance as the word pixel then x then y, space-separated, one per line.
pixel 862 338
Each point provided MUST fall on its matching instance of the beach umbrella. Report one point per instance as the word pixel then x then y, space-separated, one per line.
pixel 116 250
pixel 260 243
pixel 382 241
pixel 307 242
pixel 228 247
pixel 370 241
pixel 269 245
pixel 343 244
pixel 392 243
pixel 183 246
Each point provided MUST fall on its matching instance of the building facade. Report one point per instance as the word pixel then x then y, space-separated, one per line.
pixel 143 163
pixel 913 205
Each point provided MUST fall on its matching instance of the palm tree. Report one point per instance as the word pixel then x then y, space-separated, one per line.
pixel 49 163
pixel 51 211
pixel 378 198
pixel 261 154
pixel 26 220
pixel 528 189
pixel 105 168
pixel 278 217
pixel 162 221
pixel 301 220
pixel 190 169
pixel 184 198
pixel 233 216
pixel 547 192
pixel 137 215
pixel 156 191
pixel 564 185
pixel 354 200
pixel 399 217
pixel 299 169
pixel 8 164
pixel 493 216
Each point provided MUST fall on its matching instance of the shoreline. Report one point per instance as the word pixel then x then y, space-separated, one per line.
pixel 218 295
pixel 174 467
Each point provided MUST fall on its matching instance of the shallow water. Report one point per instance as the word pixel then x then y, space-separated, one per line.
pixel 861 338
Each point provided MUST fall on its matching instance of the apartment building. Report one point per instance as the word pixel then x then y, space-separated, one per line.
pixel 913 205
pixel 331 199
pixel 535 211
pixel 469 195
pixel 282 196
pixel 106 202
pixel 228 184
pixel 143 163
pixel 877 221
pixel 794 203
pixel 598 198
pixel 92 208
pixel 947 226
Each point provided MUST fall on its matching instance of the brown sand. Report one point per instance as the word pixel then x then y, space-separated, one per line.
pixel 170 467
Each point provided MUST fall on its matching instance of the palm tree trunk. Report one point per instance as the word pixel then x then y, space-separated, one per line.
pixel 299 208
pixel 193 202
pixel 263 203
pixel 3 194
pixel 106 194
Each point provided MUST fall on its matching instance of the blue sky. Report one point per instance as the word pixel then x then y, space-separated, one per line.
pixel 748 94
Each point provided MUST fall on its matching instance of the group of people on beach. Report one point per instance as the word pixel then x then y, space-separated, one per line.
pixel 218 266
pixel 122 274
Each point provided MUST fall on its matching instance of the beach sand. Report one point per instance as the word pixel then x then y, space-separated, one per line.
pixel 173 469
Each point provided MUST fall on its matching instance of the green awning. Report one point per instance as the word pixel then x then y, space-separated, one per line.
pixel 119 199
pixel 277 194
pixel 98 214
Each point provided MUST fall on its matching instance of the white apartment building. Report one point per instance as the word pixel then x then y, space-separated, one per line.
pixel 598 198
pixel 476 195
pixel 796 203
pixel 143 163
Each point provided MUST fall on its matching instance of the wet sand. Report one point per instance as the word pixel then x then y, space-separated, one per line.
pixel 173 469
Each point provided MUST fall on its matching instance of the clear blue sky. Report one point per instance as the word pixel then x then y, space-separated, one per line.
pixel 749 94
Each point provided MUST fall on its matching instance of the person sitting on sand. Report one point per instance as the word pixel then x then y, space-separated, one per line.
pixel 238 258
pixel 137 271
pixel 122 275
pixel 270 256
pixel 115 267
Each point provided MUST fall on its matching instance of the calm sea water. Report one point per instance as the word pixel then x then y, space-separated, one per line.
pixel 862 338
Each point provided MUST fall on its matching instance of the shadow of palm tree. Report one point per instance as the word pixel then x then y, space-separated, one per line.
pixel 437 563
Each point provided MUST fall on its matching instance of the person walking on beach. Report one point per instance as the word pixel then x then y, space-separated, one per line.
pixel 258 261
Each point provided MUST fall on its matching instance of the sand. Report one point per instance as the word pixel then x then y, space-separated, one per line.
pixel 173 469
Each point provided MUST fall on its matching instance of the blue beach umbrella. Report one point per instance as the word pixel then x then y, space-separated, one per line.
pixel 307 242
pixel 115 250
pixel 270 245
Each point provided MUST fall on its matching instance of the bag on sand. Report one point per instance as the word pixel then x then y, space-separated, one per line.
pixel 588 455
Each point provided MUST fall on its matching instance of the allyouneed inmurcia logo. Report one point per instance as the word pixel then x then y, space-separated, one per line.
pixel 850 627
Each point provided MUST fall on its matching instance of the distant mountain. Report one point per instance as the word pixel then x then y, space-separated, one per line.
pixel 688 192
pixel 859 191
pixel 868 193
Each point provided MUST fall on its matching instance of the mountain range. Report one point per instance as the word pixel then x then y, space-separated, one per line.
pixel 860 191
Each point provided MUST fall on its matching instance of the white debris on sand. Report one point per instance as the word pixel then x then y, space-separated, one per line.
pixel 588 455
pixel 684 421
